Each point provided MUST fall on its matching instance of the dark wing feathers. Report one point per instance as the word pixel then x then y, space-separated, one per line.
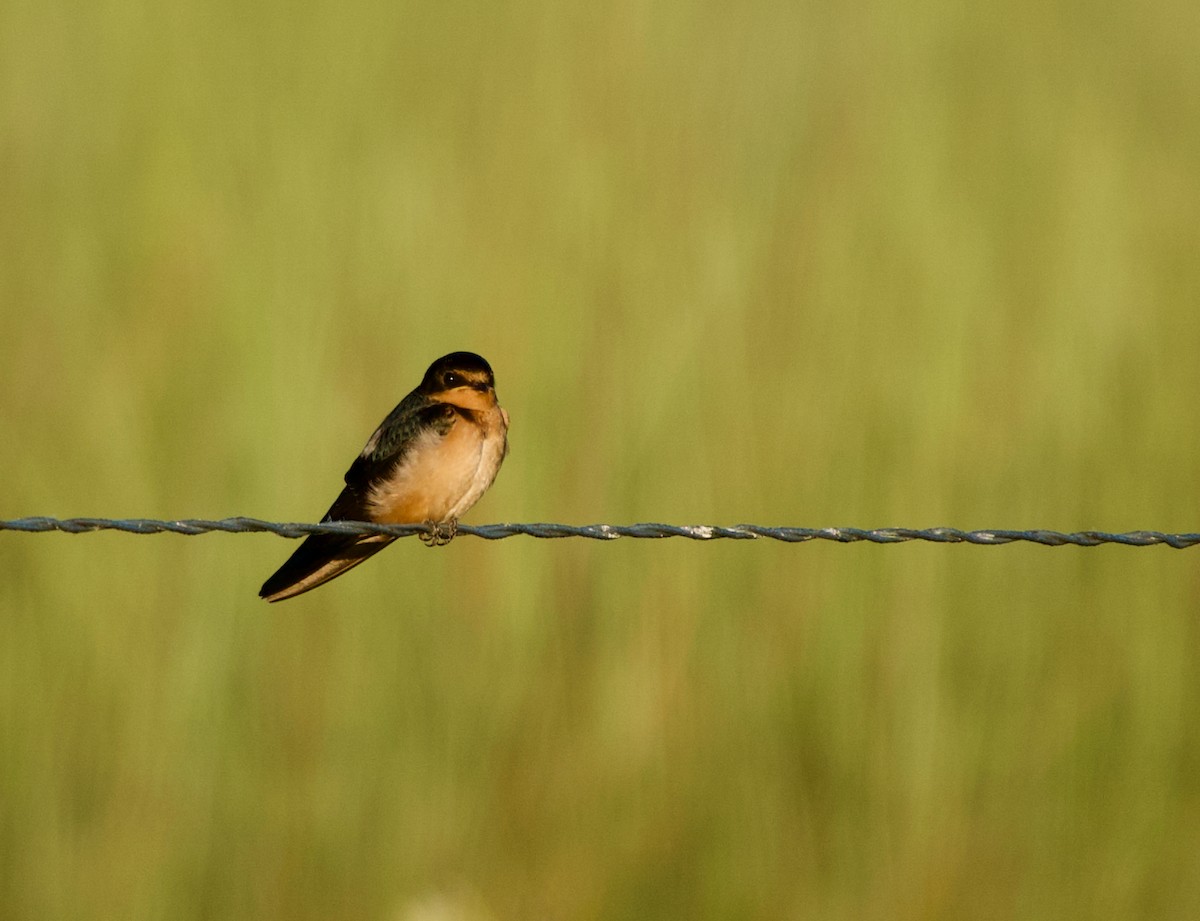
pixel 320 557
pixel 395 436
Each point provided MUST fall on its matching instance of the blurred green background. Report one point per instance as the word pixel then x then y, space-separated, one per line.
pixel 913 263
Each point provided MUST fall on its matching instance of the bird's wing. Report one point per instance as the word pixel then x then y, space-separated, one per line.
pixel 320 557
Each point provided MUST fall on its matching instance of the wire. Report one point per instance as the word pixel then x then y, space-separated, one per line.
pixel 192 526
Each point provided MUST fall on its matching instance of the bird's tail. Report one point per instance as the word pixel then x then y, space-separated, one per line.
pixel 318 559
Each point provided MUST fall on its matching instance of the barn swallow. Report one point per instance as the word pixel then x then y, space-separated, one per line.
pixel 428 462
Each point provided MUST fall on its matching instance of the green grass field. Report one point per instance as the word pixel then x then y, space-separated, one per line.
pixel 903 264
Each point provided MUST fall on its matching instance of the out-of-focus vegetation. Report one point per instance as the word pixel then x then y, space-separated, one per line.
pixel 896 264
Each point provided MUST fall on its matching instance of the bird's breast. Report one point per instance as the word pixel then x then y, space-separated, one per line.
pixel 442 475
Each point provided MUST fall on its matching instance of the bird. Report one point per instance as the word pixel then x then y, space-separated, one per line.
pixel 428 462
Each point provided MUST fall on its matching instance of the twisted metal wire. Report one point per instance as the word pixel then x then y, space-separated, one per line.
pixel 611 531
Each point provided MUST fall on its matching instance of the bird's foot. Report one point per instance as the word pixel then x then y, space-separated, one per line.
pixel 439 533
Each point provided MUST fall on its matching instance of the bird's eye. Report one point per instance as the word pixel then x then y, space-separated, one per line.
pixel 451 379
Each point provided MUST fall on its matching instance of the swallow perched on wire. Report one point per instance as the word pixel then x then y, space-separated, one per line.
pixel 428 462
